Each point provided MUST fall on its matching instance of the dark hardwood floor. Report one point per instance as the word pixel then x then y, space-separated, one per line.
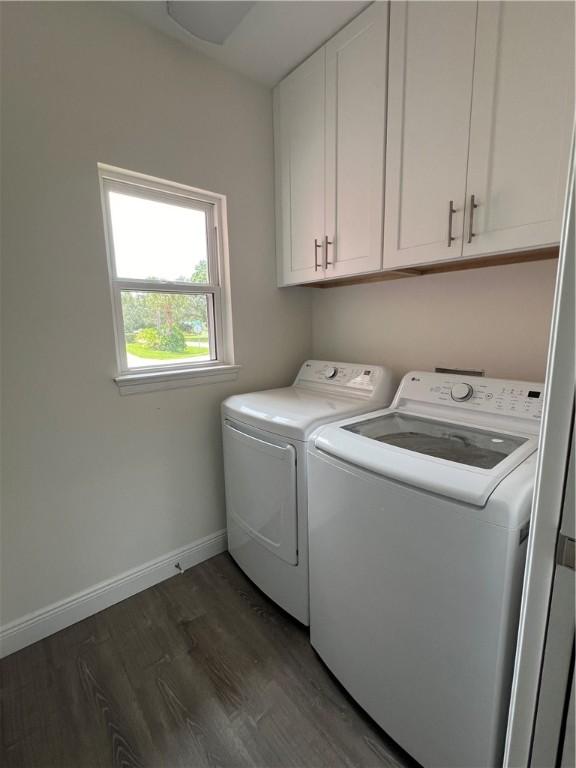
pixel 201 670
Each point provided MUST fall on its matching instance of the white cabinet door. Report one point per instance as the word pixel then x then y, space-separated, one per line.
pixel 356 74
pixel 522 116
pixel 429 98
pixel 299 140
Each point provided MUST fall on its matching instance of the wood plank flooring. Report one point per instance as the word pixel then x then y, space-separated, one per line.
pixel 201 670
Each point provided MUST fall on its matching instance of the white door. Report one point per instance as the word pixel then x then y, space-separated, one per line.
pixel 521 125
pixel 261 490
pixel 299 142
pixel 356 73
pixel 429 97
pixel 552 735
pixel 548 583
pixel 568 755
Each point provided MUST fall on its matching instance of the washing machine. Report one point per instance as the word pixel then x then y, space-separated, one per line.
pixel 265 436
pixel 419 518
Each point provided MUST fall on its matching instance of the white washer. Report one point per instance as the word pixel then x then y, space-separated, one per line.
pixel 418 520
pixel 265 436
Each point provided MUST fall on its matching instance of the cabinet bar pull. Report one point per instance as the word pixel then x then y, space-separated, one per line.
pixel 317 246
pixel 473 204
pixel 327 243
pixel 451 212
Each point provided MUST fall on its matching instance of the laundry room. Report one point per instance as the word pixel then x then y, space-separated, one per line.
pixel 287 383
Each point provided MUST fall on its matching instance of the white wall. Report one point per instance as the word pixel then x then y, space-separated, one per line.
pixel 497 319
pixel 96 483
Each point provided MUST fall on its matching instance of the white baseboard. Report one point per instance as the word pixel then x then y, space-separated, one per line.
pixel 35 626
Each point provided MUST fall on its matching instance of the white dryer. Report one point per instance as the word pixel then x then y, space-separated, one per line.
pixel 265 435
pixel 419 521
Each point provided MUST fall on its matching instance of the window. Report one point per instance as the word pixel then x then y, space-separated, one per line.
pixel 166 255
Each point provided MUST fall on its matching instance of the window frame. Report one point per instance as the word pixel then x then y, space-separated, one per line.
pixel 216 290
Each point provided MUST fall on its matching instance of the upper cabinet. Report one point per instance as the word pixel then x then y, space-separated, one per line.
pixel 356 74
pixel 468 158
pixel 521 125
pixel 299 132
pixel 330 127
pixel 479 122
pixel 429 98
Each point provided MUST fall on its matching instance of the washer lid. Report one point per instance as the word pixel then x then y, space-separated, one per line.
pixel 459 443
pixel 292 411
pixel 453 459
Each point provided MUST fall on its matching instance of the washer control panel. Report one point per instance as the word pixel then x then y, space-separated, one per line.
pixel 348 379
pixel 510 398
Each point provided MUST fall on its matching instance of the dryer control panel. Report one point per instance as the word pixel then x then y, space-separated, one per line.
pixel 347 379
pixel 514 399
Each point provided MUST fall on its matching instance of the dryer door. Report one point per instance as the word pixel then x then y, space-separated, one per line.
pixel 261 490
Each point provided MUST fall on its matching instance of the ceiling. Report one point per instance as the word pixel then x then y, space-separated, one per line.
pixel 265 41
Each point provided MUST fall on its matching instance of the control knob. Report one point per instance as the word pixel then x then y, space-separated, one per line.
pixel 330 372
pixel 461 392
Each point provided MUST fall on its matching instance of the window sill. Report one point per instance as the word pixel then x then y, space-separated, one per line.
pixel 150 381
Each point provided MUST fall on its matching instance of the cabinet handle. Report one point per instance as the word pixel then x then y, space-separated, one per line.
pixel 451 212
pixel 473 204
pixel 327 243
pixel 317 246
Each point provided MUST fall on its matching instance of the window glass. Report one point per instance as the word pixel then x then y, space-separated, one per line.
pixel 166 328
pixel 155 240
